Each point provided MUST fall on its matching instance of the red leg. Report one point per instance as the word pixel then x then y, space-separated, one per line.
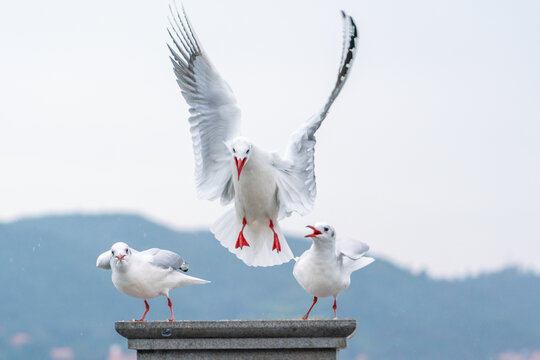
pixel 170 306
pixel 335 309
pixel 146 311
pixel 277 245
pixel 241 242
pixel 307 314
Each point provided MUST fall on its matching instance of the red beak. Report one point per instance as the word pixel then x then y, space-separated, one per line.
pixel 239 165
pixel 120 257
pixel 315 232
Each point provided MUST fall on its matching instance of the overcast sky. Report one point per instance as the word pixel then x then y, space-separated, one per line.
pixel 430 154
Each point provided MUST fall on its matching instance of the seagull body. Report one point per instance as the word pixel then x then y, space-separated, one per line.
pixel 325 269
pixel 146 274
pixel 319 271
pixel 264 186
pixel 255 189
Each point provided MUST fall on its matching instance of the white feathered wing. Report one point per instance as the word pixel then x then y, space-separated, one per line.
pixel 215 117
pixel 353 254
pixel 295 171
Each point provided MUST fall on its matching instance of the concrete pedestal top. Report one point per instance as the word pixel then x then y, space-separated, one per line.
pixel 237 339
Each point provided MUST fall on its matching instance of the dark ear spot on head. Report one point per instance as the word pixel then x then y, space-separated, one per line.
pixel 332 233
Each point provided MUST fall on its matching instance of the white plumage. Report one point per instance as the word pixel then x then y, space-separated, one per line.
pixel 265 187
pixel 325 269
pixel 146 274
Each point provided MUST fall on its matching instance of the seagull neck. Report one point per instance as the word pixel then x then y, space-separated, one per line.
pixel 122 267
pixel 324 246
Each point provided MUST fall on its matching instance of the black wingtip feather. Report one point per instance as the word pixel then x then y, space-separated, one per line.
pixel 355 31
pixel 348 52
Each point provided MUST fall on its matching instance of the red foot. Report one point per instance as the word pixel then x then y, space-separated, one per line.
pixel 335 309
pixel 146 311
pixel 277 245
pixel 307 314
pixel 170 306
pixel 241 242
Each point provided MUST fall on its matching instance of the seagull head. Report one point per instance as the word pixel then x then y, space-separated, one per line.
pixel 322 231
pixel 240 148
pixel 120 254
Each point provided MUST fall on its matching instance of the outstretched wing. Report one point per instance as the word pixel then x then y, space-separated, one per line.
pixel 104 260
pixel 165 259
pixel 296 171
pixel 353 254
pixel 353 249
pixel 214 115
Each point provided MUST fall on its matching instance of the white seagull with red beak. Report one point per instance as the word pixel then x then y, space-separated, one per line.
pixel 266 187
pixel 325 269
pixel 146 274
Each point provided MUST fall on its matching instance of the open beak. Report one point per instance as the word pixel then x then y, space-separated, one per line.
pixel 120 257
pixel 315 232
pixel 240 165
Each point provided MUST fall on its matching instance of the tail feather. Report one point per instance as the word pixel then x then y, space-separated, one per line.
pixel 259 236
pixel 186 280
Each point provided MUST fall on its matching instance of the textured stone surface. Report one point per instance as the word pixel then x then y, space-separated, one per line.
pixel 237 339
pixel 235 328
pixel 240 343
pixel 312 354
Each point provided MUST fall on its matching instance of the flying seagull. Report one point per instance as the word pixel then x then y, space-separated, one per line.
pixel 325 269
pixel 146 274
pixel 265 186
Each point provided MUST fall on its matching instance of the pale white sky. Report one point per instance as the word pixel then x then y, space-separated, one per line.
pixel 430 154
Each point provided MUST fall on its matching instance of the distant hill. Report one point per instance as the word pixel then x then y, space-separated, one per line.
pixel 52 290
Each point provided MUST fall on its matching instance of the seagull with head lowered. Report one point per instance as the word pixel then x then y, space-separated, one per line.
pixel 265 186
pixel 146 274
pixel 325 269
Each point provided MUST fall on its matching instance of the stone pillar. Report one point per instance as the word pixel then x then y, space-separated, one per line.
pixel 237 339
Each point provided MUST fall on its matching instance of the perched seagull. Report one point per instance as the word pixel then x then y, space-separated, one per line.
pixel 146 274
pixel 266 187
pixel 325 269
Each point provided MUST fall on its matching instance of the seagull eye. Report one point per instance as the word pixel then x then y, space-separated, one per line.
pixel 127 251
pixel 247 152
pixel 112 251
pixel 234 150
pixel 325 229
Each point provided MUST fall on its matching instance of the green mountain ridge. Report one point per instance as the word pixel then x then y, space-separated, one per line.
pixel 53 291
